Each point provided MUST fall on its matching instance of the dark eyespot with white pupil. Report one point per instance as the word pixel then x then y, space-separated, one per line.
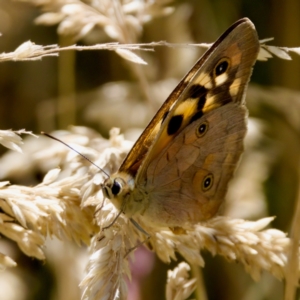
pixel 207 182
pixel 116 188
pixel 202 129
pixel 221 67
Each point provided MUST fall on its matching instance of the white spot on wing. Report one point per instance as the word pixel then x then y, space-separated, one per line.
pixel 186 108
pixel 235 86
pixel 210 102
pixel 221 79
pixel 204 80
pixel 208 85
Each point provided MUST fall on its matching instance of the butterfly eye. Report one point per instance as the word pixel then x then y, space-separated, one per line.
pixel 221 67
pixel 207 182
pixel 116 188
pixel 202 129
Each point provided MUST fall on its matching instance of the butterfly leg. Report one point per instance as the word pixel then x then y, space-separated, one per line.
pixel 114 221
pixel 148 236
pixel 98 209
pixel 140 228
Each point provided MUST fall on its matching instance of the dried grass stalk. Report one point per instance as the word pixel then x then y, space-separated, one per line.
pixel 179 286
pixel 64 206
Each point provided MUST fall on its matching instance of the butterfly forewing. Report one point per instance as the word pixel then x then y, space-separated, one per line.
pixel 140 150
pixel 219 79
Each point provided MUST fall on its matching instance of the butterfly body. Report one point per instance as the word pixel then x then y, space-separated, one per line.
pixel 178 171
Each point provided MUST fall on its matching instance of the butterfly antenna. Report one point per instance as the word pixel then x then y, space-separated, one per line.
pixel 56 139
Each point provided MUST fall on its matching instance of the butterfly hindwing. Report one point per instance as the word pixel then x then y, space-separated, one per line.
pixel 188 179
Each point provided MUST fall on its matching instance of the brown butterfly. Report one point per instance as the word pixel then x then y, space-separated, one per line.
pixel 178 171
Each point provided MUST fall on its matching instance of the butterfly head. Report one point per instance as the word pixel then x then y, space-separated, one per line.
pixel 117 188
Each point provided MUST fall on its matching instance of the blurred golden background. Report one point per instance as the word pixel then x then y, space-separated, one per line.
pixel 99 89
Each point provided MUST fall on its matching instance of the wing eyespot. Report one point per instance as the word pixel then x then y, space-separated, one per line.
pixel 221 67
pixel 202 129
pixel 207 182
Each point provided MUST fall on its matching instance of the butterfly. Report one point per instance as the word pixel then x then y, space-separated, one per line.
pixel 178 170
